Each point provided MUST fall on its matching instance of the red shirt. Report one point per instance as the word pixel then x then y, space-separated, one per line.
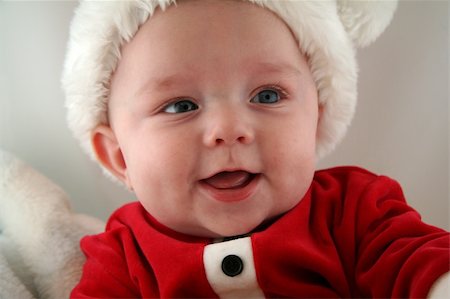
pixel 352 235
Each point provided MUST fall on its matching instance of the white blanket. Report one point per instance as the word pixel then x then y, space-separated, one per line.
pixel 39 234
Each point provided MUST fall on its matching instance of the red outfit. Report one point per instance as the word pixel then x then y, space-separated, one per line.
pixel 352 235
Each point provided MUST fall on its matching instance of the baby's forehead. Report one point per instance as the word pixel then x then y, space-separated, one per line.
pixel 210 15
pixel 166 53
pixel 179 36
pixel 200 25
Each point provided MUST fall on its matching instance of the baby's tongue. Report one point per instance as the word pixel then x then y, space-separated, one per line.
pixel 228 180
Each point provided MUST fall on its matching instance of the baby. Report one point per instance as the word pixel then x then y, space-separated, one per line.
pixel 214 114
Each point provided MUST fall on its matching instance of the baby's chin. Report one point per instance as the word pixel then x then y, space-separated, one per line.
pixel 233 223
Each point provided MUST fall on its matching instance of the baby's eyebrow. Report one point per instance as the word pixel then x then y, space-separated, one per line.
pixel 171 80
pixel 274 68
pixel 165 82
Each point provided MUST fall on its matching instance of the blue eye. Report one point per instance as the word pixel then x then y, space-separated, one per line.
pixel 181 107
pixel 267 96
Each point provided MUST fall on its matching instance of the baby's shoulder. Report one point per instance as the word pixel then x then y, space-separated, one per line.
pixel 351 176
pixel 352 184
pixel 345 171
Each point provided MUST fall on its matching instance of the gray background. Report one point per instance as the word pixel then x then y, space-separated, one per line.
pixel 400 129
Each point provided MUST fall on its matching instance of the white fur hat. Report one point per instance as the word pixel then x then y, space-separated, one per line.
pixel 328 32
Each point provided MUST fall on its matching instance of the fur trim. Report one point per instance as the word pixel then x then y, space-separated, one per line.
pixel 327 31
pixel 365 20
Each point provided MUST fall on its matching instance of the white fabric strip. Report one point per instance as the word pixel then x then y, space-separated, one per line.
pixel 243 285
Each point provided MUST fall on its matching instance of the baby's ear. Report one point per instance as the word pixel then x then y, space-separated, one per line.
pixel 108 152
pixel 365 20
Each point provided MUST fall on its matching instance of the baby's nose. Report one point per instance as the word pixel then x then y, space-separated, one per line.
pixel 228 127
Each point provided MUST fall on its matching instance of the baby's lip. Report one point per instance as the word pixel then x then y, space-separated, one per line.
pixel 231 185
pixel 229 179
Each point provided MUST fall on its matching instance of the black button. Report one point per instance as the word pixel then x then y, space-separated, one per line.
pixel 232 265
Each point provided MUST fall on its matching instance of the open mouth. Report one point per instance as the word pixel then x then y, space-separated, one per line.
pixel 231 186
pixel 230 179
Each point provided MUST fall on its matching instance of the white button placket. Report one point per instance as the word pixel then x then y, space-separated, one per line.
pixel 230 269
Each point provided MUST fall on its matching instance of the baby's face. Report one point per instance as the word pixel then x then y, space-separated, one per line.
pixel 213 115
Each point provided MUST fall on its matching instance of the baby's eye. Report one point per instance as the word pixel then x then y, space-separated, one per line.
pixel 267 96
pixel 181 107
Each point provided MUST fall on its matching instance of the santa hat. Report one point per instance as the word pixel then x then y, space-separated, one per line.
pixel 327 32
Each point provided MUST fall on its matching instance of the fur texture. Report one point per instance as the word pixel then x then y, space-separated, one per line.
pixel 327 31
pixel 39 234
